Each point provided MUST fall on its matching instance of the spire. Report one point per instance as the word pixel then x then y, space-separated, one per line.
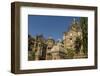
pixel 74 21
pixel 75 25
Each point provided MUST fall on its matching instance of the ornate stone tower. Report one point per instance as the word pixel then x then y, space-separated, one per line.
pixel 70 38
pixel 39 48
pixel 58 52
pixel 50 43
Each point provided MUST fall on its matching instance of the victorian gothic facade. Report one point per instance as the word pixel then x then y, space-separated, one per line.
pixel 40 48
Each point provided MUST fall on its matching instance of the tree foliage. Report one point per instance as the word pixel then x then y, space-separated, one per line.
pixel 77 45
pixel 84 27
pixel 70 53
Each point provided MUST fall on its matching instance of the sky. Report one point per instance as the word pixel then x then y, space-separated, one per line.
pixel 49 26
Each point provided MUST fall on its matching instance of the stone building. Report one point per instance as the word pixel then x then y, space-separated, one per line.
pixel 72 38
pixel 38 47
pixel 49 49
pixel 58 51
pixel 50 43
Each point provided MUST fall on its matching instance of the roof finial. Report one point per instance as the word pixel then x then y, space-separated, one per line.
pixel 74 21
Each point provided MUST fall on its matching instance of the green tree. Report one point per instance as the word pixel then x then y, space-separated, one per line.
pixel 84 27
pixel 70 53
pixel 77 45
pixel 31 53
